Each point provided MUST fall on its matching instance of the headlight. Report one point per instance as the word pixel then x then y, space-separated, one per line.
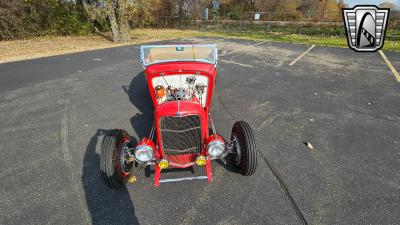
pixel 215 148
pixel 144 151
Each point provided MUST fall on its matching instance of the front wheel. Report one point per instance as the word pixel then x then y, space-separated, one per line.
pixel 244 148
pixel 113 165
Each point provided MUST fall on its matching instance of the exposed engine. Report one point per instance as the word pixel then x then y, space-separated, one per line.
pixel 193 88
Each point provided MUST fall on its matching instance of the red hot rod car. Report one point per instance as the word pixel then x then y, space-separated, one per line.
pixel 181 80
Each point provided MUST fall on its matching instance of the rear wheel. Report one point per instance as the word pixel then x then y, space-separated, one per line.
pixel 113 164
pixel 244 148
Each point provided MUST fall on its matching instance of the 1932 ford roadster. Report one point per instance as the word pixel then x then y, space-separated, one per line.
pixel 181 80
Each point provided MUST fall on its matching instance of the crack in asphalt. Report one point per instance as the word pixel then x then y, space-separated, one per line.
pixel 284 188
pixel 275 173
pixel 226 108
pixel 69 164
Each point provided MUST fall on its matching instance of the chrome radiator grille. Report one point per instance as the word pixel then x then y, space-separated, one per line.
pixel 180 135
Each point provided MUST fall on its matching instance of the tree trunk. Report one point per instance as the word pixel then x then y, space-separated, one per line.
pixel 83 4
pixel 123 21
pixel 181 3
pixel 110 11
pixel 116 36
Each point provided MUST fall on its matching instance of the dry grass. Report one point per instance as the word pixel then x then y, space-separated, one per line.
pixel 55 45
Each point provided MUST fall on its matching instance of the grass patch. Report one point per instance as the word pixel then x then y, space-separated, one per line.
pixel 320 40
pixel 56 45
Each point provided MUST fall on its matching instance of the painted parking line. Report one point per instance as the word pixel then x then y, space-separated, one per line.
pixel 236 63
pixel 241 49
pixel 301 56
pixel 390 65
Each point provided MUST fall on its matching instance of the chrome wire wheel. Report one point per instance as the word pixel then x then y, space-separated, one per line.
pixel 125 165
pixel 113 164
pixel 236 150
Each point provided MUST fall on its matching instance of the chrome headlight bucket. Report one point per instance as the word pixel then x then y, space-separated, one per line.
pixel 215 146
pixel 144 151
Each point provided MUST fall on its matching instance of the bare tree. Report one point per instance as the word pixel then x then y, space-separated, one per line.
pixel 123 20
pixel 110 8
pixel 181 10
pixel 83 3
pixel 116 13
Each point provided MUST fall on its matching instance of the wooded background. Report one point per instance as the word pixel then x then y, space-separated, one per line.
pixel 26 18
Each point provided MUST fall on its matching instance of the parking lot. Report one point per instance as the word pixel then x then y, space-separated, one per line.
pixel 55 110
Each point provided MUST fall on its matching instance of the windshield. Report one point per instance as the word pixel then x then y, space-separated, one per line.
pixel 153 54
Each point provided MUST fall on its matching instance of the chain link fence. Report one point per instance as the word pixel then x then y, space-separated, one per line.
pixel 322 23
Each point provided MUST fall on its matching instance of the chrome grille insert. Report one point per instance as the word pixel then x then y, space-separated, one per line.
pixel 180 135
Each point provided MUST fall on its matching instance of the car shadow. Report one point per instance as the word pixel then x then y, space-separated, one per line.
pixel 142 121
pixel 106 205
pixel 139 96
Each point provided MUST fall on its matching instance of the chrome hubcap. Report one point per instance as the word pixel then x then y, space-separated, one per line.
pixel 236 150
pixel 125 164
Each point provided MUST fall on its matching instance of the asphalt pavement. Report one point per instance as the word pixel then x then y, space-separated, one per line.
pixel 55 111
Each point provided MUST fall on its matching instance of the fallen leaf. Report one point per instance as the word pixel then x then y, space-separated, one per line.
pixel 309 145
pixel 132 179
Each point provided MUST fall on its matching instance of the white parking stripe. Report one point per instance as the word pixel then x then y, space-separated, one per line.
pixel 391 67
pixel 241 49
pixel 300 56
pixel 232 62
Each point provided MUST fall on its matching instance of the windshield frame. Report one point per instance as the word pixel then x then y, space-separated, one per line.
pixel 213 47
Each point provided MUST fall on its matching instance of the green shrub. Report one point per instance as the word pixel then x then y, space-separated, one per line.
pixel 25 18
pixel 68 20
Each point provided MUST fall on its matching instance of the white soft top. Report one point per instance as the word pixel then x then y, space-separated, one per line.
pixel 153 54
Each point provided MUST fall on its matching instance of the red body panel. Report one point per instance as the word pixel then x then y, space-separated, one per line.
pixel 183 107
